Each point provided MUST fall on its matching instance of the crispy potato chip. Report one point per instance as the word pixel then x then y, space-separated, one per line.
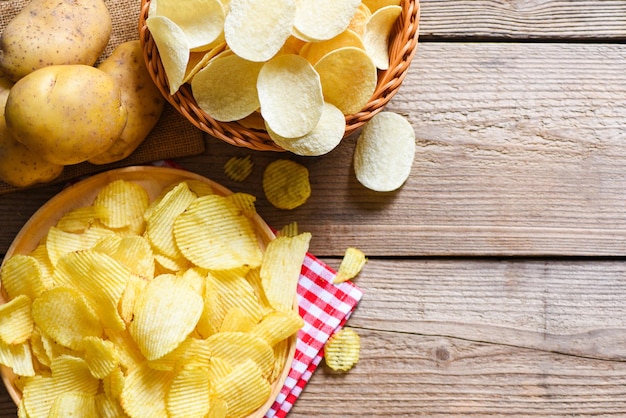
pixel 286 184
pixel 257 30
pixel 341 352
pixel 124 203
pixel 66 316
pixel 165 264
pixel 292 45
pixel 18 357
pixel 165 314
pixel 314 51
pixel 40 253
pixel 189 394
pixel 281 354
pixel 323 19
pixel 348 76
pixel 200 188
pixel 73 404
pixel 173 49
pixel 128 351
pixel 200 20
pixel 374 5
pixel 145 391
pixel 290 94
pixel 384 152
pixel 322 139
pixel 199 59
pixel 16 322
pixel 377 33
pixel 195 277
pixel 22 275
pixel 108 407
pixel 214 234
pixel 245 203
pixel 281 267
pixel 60 243
pixel 231 289
pixel 278 326
pixel 236 347
pixel 244 389
pixel 237 320
pixel 191 350
pixel 289 230
pixel 253 121
pixel 360 19
pixel 100 355
pixel 238 168
pixel 71 373
pixel 219 408
pixel 80 219
pixel 351 265
pixel 226 88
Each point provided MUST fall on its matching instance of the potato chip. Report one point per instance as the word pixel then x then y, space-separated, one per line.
pixel 173 49
pixel 165 314
pixel 100 355
pixel 73 404
pixel 244 389
pixel 40 253
pixel 60 243
pixel 191 350
pixel 348 76
pixel 219 408
pixel 108 407
pixel 233 290
pixel 278 326
pixel 360 19
pixel 281 354
pixel 124 203
pixel 145 391
pixel 136 253
pixel 226 88
pixel 257 30
pixel 189 395
pixel 377 33
pixel 281 267
pixel 80 219
pixel 214 234
pixel 351 265
pixel 195 277
pixel 314 51
pixel 286 184
pixel 319 20
pixel 341 351
pixel 322 139
pixel 244 202
pixel 16 323
pixel 237 320
pixel 236 347
pixel 66 316
pixel 18 357
pixel 374 5
pixel 290 95
pixel 253 121
pixel 71 373
pixel 384 152
pixel 165 264
pixel 128 351
pixel 289 230
pixel 238 168
pixel 22 275
pixel 200 188
pixel 199 59
pixel 200 20
pixel 292 45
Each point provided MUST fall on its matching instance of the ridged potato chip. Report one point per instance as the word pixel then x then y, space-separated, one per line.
pixel 318 20
pixel 80 219
pixel 341 352
pixel 173 48
pixel 100 355
pixel 18 357
pixel 384 152
pixel 277 326
pixel 189 392
pixel 377 33
pixel 22 275
pixel 16 322
pixel 238 168
pixel 73 404
pixel 237 347
pixel 286 184
pixel 124 203
pixel 290 94
pixel 348 76
pixel 351 265
pixel 244 389
pixel 60 243
pixel 145 391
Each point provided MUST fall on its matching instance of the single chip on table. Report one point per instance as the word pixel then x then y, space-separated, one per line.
pixel 384 152
pixel 173 49
pixel 341 351
pixel 318 20
pixel 377 33
pixel 238 168
pixel 348 76
pixel 351 265
pixel 286 184
pixel 201 21
pixel 290 94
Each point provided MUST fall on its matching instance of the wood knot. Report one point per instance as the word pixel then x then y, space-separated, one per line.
pixel 442 354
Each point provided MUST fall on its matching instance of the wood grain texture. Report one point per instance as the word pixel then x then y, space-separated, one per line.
pixel 523 20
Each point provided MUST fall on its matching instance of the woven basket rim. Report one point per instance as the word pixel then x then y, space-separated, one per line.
pixel 402 49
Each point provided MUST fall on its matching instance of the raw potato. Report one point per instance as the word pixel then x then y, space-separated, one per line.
pixel 142 99
pixel 52 32
pixel 66 113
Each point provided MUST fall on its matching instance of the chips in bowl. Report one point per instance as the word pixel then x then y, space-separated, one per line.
pixel 131 317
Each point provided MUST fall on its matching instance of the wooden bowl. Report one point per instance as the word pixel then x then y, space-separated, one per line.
pixel 154 180
pixel 403 45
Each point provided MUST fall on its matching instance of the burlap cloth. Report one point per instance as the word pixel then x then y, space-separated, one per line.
pixel 172 137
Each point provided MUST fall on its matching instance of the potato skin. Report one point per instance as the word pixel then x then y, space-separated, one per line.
pixel 66 113
pixel 52 32
pixel 141 97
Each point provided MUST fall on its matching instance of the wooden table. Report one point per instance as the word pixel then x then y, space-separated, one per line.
pixel 496 281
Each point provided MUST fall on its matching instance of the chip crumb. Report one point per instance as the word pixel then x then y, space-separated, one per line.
pixel 238 168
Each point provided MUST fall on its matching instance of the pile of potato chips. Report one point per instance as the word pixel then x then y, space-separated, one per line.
pixel 139 308
pixel 292 67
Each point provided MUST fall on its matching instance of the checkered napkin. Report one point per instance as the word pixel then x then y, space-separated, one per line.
pixel 325 307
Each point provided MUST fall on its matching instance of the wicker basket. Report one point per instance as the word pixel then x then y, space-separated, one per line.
pixel 402 49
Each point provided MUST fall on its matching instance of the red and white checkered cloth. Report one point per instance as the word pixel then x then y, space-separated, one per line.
pixel 325 307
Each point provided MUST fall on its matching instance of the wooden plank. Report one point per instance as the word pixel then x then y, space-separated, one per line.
pixel 523 19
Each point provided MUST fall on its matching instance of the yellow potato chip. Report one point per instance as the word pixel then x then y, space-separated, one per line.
pixel 238 168
pixel 257 30
pixel 351 265
pixel 292 45
pixel 289 230
pixel 65 315
pixel 323 19
pixel 314 51
pixel 100 355
pixel 191 350
pixel 280 271
pixel 360 19
pixel 166 312
pixel 173 49
pixel 145 391
pixel 377 33
pixel 237 320
pixel 226 88
pixel 128 351
pixel 253 121
pixel 79 219
pixel 124 203
pixel 245 203
pixel 290 95
pixel 60 243
pixel 22 275
pixel 281 354
pixel 16 322
pixel 341 352
pixel 108 407
pixel 195 277
pixel 214 234
pixel 200 188
pixel 200 20
pixel 278 326
pixel 18 357
pixel 71 373
pixel 236 347
pixel 322 139
pixel 374 5
pixel 136 253
pixel 189 394
pixel 384 152
pixel 348 76
pixel 219 408
pixel 40 253
pixel 244 389
pixel 73 404
pixel 199 59
pixel 165 264
pixel 233 290
pixel 286 184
